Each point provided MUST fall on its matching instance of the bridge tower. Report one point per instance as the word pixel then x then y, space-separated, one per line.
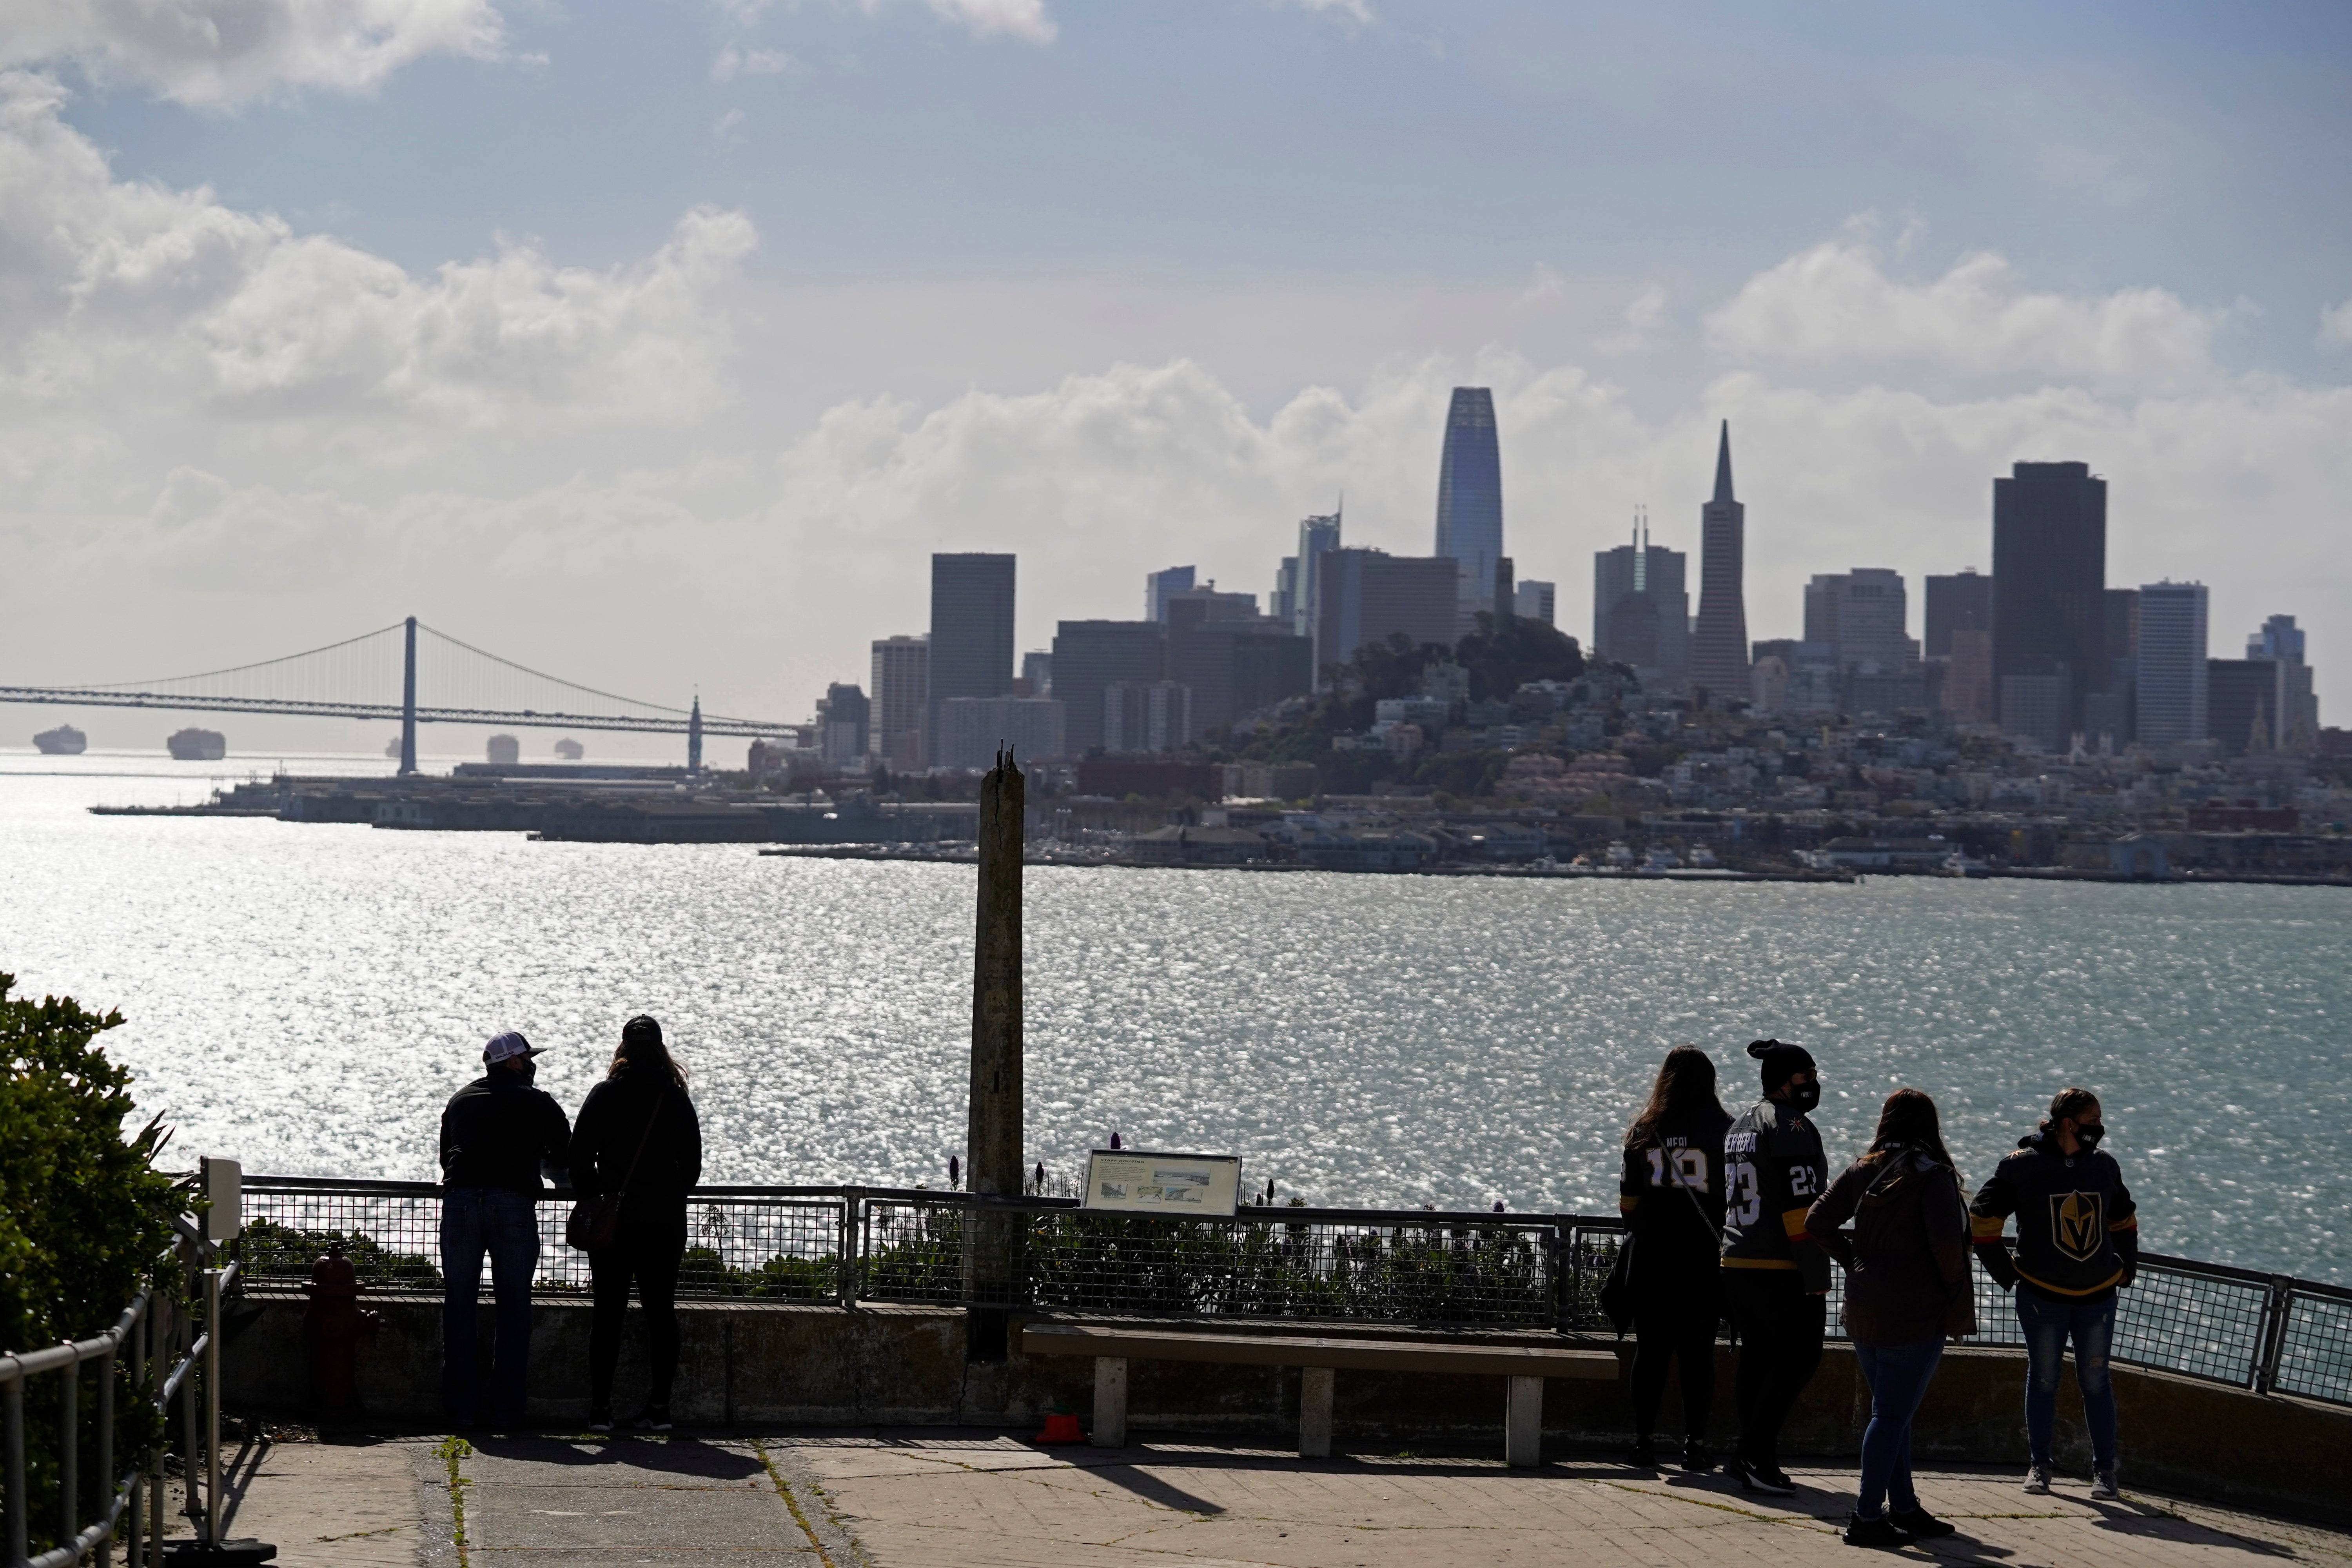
pixel 408 704
pixel 694 736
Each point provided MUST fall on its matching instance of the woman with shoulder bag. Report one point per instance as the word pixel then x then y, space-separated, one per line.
pixel 1907 1289
pixel 636 1151
pixel 1671 1193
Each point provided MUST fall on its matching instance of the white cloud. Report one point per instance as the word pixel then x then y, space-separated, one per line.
pixel 222 52
pixel 1836 305
pixel 1022 19
pixel 733 62
pixel 1356 11
pixel 2335 325
pixel 1644 327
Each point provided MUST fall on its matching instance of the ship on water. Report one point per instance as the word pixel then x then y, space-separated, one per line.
pixel 198 745
pixel 65 740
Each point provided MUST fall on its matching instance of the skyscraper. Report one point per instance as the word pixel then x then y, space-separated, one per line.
pixel 1294 585
pixel 1536 600
pixel 2049 585
pixel 1159 586
pixel 1640 610
pixel 2298 707
pixel 843 721
pixel 2173 664
pixel 971 629
pixel 1088 656
pixel 901 673
pixel 1958 604
pixel 1470 502
pixel 1865 612
pixel 1719 639
pixel 1364 596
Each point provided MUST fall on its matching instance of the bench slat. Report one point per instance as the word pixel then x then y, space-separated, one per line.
pixel 1301 1350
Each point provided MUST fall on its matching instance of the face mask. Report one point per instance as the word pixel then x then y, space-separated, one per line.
pixel 2088 1137
pixel 1803 1097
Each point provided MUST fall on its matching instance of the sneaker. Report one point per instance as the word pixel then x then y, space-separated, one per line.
pixel 2104 1488
pixel 1918 1521
pixel 600 1421
pixel 2037 1480
pixel 1645 1453
pixel 1695 1458
pixel 1860 1531
pixel 654 1418
pixel 1755 1477
pixel 1775 1479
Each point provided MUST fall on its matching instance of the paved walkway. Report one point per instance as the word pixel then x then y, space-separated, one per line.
pixel 930 1499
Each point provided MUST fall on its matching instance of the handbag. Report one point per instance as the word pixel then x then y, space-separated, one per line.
pixel 594 1225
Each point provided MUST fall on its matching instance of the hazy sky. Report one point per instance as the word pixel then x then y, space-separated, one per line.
pixel 658 343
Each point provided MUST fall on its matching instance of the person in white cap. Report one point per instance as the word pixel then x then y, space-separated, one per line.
pixel 497 1134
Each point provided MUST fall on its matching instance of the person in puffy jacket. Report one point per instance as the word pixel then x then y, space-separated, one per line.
pixel 2077 1245
pixel 638 1143
pixel 1907 1288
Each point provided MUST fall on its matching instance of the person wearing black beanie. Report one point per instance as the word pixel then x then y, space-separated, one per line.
pixel 1776 1276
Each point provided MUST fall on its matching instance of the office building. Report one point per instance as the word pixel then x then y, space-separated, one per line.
pixel 1965 693
pixel 971 629
pixel 1292 599
pixel 2048 582
pixel 1159 586
pixel 901 681
pixel 1536 600
pixel 843 717
pixel 2172 694
pixel 1640 610
pixel 1232 664
pixel 1719 639
pixel 1470 505
pixel 1209 603
pixel 972 728
pixel 1147 716
pixel 1036 673
pixel 2035 708
pixel 1865 613
pixel 2281 639
pixel 1365 596
pixel 1960 602
pixel 2241 705
pixel 1089 656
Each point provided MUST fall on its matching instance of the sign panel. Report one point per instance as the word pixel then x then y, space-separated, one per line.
pixel 224 1183
pixel 1137 1181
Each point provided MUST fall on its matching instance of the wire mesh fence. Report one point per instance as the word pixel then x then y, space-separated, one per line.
pixel 1368 1265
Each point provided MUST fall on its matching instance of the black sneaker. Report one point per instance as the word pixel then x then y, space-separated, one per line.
pixel 652 1419
pixel 1860 1531
pixel 600 1421
pixel 1695 1458
pixel 1644 1455
pixel 1918 1521
pixel 1755 1477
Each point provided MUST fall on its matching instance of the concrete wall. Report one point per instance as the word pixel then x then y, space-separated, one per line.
pixel 769 1364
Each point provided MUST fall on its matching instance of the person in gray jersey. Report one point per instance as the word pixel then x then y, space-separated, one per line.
pixel 1776 1278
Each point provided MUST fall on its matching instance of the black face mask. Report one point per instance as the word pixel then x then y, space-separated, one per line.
pixel 1803 1097
pixel 2088 1137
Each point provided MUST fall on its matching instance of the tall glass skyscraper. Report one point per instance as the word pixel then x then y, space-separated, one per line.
pixel 1719 639
pixel 972 630
pixel 2049 587
pixel 1470 502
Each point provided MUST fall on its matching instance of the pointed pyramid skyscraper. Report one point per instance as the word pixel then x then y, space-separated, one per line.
pixel 1718 648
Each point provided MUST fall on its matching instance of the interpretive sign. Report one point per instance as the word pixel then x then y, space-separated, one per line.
pixel 1137 1181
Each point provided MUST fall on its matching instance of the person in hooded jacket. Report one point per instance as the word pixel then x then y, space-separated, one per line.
pixel 637 1141
pixel 1907 1288
pixel 2077 1244
pixel 1671 1193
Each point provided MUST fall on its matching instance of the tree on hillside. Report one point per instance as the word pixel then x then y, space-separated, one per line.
pixel 1507 652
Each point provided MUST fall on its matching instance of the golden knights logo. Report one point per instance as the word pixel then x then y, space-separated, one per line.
pixel 2078 1227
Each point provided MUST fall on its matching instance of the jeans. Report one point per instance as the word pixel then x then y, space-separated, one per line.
pixel 1899 1376
pixel 1672 1325
pixel 1780 1328
pixel 2048 1325
pixel 504 1225
pixel 648 1250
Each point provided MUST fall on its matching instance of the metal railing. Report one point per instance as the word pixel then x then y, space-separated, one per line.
pixel 169 1354
pixel 2268 1332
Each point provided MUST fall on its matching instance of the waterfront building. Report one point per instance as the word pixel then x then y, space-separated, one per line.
pixel 972 728
pixel 1089 656
pixel 1640 610
pixel 1364 596
pixel 1470 504
pixel 1147 716
pixel 844 715
pixel 1536 600
pixel 1960 602
pixel 1159 586
pixel 2172 692
pixel 2281 639
pixel 503 750
pixel 972 629
pixel 2049 586
pixel 899 687
pixel 1719 639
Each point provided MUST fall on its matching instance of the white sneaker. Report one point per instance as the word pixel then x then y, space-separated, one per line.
pixel 2037 1480
pixel 2104 1488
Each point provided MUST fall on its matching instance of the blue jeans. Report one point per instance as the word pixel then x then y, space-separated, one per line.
pixel 504 1225
pixel 2048 1325
pixel 1899 1376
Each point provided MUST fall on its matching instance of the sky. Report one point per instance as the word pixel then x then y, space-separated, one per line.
pixel 657 344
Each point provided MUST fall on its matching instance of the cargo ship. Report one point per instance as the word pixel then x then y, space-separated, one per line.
pixel 198 745
pixel 65 740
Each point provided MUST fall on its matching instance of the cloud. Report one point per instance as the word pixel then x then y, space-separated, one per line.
pixel 1022 19
pixel 733 62
pixel 218 53
pixel 2335 325
pixel 1644 331
pixel 1356 11
pixel 1834 305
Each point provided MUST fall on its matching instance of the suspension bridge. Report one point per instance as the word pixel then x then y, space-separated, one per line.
pixel 378 675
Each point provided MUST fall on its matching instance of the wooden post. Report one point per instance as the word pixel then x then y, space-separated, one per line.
pixel 993 1164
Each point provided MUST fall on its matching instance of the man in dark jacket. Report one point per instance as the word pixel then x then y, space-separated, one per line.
pixel 497 1134
pixel 2077 1242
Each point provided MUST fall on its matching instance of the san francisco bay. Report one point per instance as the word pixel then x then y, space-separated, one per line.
pixel 305 998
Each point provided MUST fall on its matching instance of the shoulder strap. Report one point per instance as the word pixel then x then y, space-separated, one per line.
pixel 1675 1176
pixel 623 1190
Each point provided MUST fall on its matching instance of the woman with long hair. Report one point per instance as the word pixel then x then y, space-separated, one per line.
pixel 1907 1288
pixel 1671 1193
pixel 636 1151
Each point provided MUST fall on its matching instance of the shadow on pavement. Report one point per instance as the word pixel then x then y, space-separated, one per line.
pixel 678 1456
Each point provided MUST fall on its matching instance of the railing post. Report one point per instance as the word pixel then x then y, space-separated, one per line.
pixel 2278 1303
pixel 68 1447
pixel 212 1405
pixel 852 1254
pixel 17 1502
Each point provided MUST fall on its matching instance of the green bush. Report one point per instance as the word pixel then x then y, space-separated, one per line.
pixel 84 1215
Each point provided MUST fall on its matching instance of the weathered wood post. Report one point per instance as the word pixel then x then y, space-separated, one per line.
pixel 992 1133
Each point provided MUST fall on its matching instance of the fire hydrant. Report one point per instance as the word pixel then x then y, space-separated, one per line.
pixel 334 1324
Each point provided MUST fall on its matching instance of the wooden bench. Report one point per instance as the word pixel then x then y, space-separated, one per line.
pixel 1524 1367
